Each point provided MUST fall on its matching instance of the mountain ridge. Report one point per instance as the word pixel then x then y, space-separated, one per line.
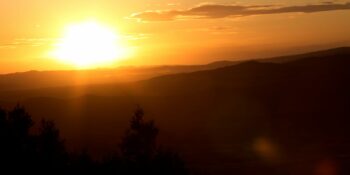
pixel 22 81
pixel 216 118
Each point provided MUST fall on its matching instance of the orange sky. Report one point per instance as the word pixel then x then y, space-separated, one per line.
pixel 173 32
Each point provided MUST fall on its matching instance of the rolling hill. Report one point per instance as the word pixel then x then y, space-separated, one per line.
pixel 46 79
pixel 280 116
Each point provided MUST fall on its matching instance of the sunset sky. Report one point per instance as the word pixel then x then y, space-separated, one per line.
pixel 171 32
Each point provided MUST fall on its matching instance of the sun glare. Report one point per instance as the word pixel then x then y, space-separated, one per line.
pixel 89 44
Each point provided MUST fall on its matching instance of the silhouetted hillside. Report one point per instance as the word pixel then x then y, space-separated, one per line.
pixel 322 53
pixel 252 118
pixel 45 79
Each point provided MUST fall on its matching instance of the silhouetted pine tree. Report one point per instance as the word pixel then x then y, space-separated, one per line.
pixel 139 142
pixel 3 138
pixel 3 125
pixel 17 145
pixel 141 154
pixel 50 148
pixel 19 123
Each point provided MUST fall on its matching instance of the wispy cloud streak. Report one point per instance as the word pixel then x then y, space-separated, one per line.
pixel 221 11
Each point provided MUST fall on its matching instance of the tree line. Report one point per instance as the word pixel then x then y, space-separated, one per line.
pixel 44 152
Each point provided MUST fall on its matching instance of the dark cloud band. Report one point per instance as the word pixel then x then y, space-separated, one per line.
pixel 222 11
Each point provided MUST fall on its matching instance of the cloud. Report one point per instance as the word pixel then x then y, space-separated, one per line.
pixel 24 42
pixel 139 36
pixel 221 11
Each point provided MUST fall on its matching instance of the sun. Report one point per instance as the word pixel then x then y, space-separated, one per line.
pixel 89 44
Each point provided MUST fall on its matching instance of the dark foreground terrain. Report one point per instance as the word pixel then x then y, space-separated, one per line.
pixel 256 117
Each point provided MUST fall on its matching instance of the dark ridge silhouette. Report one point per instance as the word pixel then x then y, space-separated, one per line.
pixel 288 117
pixel 45 79
pixel 52 79
pixel 44 152
pixel 323 53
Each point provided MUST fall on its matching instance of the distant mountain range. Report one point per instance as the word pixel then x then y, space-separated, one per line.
pixel 286 115
pixel 45 79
